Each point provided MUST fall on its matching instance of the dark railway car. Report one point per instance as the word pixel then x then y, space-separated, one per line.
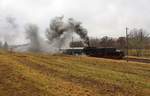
pixel 96 52
pixel 74 51
pixel 104 52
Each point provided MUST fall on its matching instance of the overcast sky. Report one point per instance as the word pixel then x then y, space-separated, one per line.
pixel 100 17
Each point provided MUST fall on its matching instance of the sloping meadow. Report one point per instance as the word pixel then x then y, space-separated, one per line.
pixel 28 74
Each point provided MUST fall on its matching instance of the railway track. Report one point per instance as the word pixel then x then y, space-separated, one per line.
pixel 135 59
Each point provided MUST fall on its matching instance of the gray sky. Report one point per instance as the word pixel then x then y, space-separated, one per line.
pixel 100 17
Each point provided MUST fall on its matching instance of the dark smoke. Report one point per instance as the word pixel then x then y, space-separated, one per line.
pixel 61 30
pixel 82 32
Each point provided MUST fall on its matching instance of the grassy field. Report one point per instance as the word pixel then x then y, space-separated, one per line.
pixel 59 75
pixel 144 53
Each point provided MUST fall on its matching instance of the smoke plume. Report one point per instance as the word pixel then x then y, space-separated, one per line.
pixel 33 36
pixel 61 31
pixel 59 35
pixel 10 30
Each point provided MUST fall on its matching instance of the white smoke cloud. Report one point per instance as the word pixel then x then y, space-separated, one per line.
pixel 59 34
pixel 10 30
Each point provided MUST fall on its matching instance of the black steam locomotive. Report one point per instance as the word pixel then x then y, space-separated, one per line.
pixel 104 52
pixel 96 52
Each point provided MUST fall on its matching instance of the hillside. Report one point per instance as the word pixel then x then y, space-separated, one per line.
pixel 59 75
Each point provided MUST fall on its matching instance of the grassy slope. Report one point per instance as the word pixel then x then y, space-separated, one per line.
pixel 44 75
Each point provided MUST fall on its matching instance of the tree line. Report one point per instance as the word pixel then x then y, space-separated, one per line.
pixel 138 40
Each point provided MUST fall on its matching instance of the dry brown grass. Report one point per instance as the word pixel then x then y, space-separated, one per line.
pixel 27 74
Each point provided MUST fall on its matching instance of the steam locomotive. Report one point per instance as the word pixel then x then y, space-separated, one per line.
pixel 96 52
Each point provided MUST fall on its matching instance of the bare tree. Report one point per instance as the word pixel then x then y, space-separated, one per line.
pixel 107 42
pixel 5 46
pixel 94 42
pixel 1 45
pixel 76 44
pixel 121 42
pixel 137 40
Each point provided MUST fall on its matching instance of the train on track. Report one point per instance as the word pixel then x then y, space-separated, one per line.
pixel 112 53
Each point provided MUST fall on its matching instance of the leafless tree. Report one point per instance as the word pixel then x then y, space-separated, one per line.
pixel 107 42
pixel 121 43
pixel 76 44
pixel 138 39
pixel 5 46
pixel 1 44
pixel 94 42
